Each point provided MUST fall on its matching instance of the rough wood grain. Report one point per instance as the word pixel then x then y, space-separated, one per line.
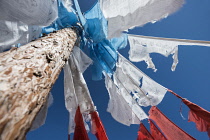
pixel 27 74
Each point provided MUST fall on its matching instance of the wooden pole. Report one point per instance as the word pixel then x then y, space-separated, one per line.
pixel 27 74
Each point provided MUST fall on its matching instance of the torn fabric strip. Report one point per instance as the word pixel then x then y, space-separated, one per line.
pixel 122 106
pixel 80 132
pixel 126 14
pixel 144 134
pixel 35 12
pixel 67 4
pixel 75 88
pixel 66 18
pixel 97 126
pixel 124 82
pixel 96 24
pixel 12 33
pixel 104 55
pixel 42 114
pixel 102 50
pixel 156 133
pixel 170 130
pixel 142 46
pixel 145 90
pixel 197 114
pixel 82 60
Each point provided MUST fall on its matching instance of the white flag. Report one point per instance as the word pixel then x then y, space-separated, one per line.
pixel 122 106
pixel 75 88
pixel 30 12
pixel 142 46
pixel 146 91
pixel 126 14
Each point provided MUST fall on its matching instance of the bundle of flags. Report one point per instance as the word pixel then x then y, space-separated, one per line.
pixel 101 31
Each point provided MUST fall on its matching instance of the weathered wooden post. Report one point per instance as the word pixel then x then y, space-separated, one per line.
pixel 27 74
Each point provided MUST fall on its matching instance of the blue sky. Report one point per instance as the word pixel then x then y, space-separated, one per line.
pixel 191 79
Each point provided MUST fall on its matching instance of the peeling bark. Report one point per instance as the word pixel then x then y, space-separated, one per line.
pixel 27 74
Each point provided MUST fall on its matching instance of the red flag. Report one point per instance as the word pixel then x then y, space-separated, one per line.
pixel 143 133
pixel 170 130
pixel 97 127
pixel 80 132
pixel 156 133
pixel 197 114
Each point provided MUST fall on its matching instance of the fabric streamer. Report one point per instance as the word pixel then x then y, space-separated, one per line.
pixel 102 50
pixel 36 12
pixel 122 106
pixel 142 46
pixel 145 91
pixel 80 132
pixel 144 134
pixel 67 4
pixel 126 14
pixel 75 88
pixel 105 55
pixel 66 18
pixel 12 32
pixel 156 133
pixel 197 114
pixel 21 21
pixel 79 13
pixel 170 130
pixel 97 127
pixel 96 24
pixel 42 114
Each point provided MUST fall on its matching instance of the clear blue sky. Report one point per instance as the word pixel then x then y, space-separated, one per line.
pixel 191 79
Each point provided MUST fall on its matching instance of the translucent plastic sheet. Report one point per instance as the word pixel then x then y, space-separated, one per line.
pixel 145 91
pixel 122 106
pixel 125 14
pixel 142 46
pixel 75 88
pixel 35 12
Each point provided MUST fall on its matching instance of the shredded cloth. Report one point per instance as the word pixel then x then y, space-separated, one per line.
pixel 42 114
pixel 197 114
pixel 12 33
pixel 97 127
pixel 144 134
pixel 122 106
pixel 22 21
pixel 75 88
pixel 169 129
pixel 80 132
pixel 156 133
pixel 36 12
pixel 143 89
pixel 126 14
pixel 142 46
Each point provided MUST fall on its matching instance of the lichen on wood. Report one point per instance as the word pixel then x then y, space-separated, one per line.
pixel 27 74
